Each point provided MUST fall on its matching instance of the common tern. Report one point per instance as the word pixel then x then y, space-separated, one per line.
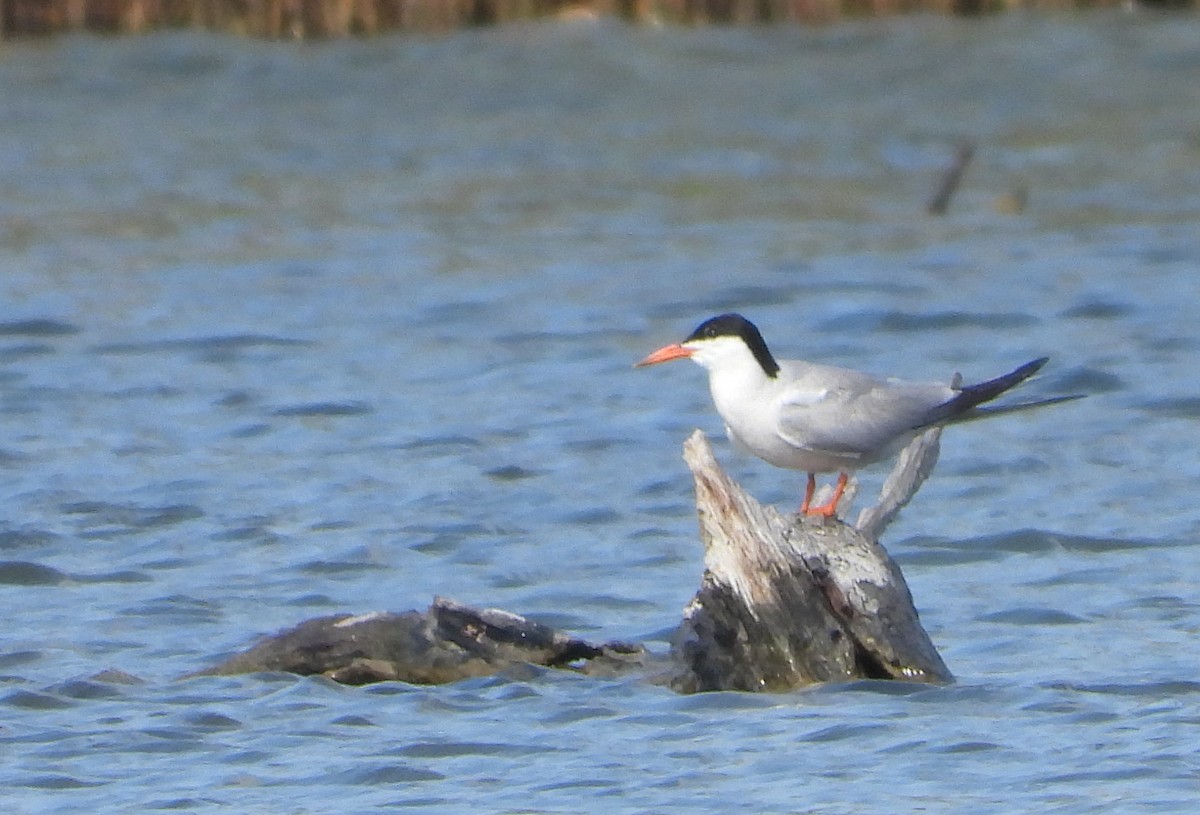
pixel 821 419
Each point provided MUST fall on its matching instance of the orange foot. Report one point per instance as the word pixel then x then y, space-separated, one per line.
pixel 828 509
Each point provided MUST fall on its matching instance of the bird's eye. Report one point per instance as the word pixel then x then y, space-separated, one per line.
pixel 710 332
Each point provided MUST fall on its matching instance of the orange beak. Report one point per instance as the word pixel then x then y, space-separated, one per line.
pixel 666 354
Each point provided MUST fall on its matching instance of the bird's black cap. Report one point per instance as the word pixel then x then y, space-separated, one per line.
pixel 735 325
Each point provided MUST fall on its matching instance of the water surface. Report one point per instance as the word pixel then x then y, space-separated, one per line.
pixel 288 330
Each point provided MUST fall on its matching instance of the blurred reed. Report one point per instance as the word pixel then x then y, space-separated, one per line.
pixel 300 19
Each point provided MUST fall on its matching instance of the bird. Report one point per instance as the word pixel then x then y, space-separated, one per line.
pixel 823 419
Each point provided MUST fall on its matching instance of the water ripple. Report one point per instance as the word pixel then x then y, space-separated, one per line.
pixel 1154 690
pixel 512 472
pixel 947 551
pixel 1031 616
pixel 177 609
pixel 28 700
pixel 25 573
pixel 324 409
pixel 12 353
pixel 42 327
pixel 891 321
pixel 1089 380
pixel 107 516
pixel 87 689
pixel 1177 407
pixel 220 345
pixel 57 782
pixel 455 749
pixel 382 775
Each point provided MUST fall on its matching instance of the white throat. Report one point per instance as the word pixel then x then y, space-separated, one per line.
pixel 735 377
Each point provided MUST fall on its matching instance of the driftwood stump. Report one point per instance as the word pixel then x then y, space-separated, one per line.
pixel 786 602
pixel 783 603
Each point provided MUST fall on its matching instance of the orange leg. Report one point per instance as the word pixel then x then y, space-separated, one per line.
pixel 808 493
pixel 828 510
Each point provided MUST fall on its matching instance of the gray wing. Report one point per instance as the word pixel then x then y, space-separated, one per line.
pixel 851 414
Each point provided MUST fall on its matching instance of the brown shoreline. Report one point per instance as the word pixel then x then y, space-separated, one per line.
pixel 316 19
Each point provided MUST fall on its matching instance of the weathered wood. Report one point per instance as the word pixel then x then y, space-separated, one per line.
pixel 447 643
pixel 913 466
pixel 787 602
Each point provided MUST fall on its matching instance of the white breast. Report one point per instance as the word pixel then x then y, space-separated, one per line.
pixel 752 406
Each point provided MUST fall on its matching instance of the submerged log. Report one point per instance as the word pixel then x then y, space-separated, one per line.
pixel 446 643
pixel 787 602
pixel 783 603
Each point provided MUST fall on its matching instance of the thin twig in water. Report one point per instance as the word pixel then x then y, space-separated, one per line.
pixel 951 178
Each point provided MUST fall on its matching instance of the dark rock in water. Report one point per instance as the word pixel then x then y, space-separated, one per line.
pixel 448 642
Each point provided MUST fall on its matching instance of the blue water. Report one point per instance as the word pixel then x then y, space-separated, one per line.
pixel 289 330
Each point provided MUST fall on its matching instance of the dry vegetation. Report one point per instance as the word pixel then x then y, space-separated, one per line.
pixel 341 18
